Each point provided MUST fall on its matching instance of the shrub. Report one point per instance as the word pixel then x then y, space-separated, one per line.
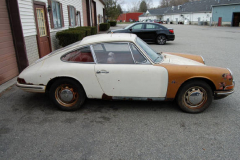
pixel 113 23
pixel 93 30
pixel 86 29
pixel 67 37
pixel 73 35
pixel 104 26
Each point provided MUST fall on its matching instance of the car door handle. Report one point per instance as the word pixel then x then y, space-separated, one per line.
pixel 98 72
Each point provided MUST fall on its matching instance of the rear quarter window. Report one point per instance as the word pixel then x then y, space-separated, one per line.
pixel 79 55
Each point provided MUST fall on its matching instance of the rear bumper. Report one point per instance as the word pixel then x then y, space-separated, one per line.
pixel 32 88
pixel 170 37
pixel 222 94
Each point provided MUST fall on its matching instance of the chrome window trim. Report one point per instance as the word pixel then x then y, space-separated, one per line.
pixel 131 53
pixel 76 50
pixel 203 59
pixel 126 42
pixel 146 55
pixel 140 53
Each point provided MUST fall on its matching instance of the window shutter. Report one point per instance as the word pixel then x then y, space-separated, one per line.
pixel 75 16
pixel 80 19
pixel 51 14
pixel 69 16
pixel 62 15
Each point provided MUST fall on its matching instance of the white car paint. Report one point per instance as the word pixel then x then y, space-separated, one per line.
pixel 132 80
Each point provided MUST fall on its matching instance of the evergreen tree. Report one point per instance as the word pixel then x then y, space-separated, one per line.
pixel 143 6
pixel 119 8
pixel 111 10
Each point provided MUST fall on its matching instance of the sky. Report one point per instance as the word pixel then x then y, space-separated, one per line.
pixel 125 4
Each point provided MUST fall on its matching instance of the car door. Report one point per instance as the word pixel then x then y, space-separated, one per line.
pixel 138 29
pixel 125 72
pixel 150 32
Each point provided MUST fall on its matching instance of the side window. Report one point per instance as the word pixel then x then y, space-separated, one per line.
pixel 150 26
pixel 57 14
pixel 113 53
pixel 80 55
pixel 138 26
pixel 138 57
pixel 72 16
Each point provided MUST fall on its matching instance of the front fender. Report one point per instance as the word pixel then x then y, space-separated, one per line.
pixel 178 74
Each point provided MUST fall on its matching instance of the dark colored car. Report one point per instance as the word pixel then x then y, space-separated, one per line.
pixel 149 32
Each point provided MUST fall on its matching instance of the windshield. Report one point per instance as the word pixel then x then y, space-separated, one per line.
pixel 129 26
pixel 156 58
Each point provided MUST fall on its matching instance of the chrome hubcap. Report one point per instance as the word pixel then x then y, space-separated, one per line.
pixel 66 95
pixel 195 97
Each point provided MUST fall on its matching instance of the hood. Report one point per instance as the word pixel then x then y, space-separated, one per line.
pixel 173 59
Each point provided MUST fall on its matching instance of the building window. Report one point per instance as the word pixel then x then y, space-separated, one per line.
pixel 56 12
pixel 72 16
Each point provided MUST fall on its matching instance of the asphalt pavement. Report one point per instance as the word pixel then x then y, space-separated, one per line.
pixel 32 128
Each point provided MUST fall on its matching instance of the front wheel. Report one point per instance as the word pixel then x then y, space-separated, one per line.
pixel 161 39
pixel 195 97
pixel 67 94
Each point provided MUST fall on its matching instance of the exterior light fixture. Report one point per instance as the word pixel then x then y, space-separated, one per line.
pixel 49 8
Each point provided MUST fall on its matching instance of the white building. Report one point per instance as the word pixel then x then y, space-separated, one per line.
pixel 196 12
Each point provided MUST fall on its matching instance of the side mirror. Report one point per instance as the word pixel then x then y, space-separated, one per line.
pixel 130 29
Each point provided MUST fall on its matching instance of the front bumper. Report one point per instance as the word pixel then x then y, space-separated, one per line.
pixel 222 94
pixel 32 88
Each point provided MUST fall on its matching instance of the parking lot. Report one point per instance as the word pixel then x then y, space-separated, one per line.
pixel 32 128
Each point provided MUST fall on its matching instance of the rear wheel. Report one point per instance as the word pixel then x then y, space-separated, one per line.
pixel 67 94
pixel 161 39
pixel 195 97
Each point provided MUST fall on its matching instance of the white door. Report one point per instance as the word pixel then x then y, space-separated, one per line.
pixel 122 72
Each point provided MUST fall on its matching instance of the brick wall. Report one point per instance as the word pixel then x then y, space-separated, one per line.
pixel 32 48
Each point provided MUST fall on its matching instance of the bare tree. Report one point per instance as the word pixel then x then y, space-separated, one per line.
pixel 133 6
pixel 167 3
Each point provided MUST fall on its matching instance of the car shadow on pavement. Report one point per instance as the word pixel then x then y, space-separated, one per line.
pixel 93 105
pixel 36 101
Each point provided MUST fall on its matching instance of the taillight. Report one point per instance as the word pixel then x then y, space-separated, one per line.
pixel 171 31
pixel 21 81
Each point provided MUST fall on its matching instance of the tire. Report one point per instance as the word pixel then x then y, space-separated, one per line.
pixel 195 96
pixel 67 94
pixel 161 39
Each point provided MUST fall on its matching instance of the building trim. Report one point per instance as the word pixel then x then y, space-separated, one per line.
pixel 17 34
pixel 225 4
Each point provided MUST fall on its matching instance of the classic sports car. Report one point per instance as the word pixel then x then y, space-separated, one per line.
pixel 123 67
pixel 149 32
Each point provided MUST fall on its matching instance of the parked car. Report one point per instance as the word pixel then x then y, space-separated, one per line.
pixel 158 21
pixel 149 32
pixel 123 67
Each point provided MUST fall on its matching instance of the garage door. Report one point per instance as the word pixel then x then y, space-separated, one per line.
pixel 8 62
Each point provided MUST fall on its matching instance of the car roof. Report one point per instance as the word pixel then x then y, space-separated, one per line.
pixel 111 37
